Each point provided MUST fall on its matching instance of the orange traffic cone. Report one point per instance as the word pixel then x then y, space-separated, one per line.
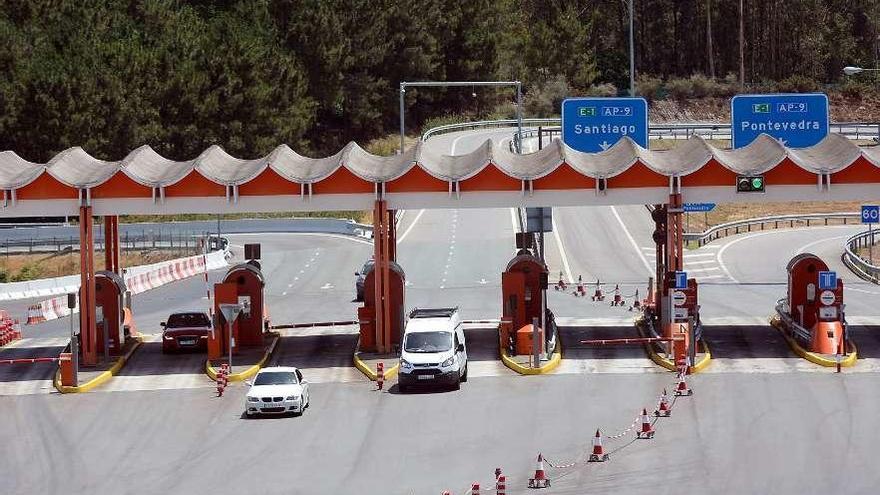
pixel 561 284
pixel 598 454
pixel 598 296
pixel 380 375
pixel 647 430
pixel 618 299
pixel 682 388
pixel 540 480
pixel 663 408
pixel 636 303
pixel 580 287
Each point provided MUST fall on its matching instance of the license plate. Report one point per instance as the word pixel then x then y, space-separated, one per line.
pixel 187 341
pixel 426 377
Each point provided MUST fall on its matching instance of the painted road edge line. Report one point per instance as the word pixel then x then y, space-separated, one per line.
pixel 244 375
pixel 544 369
pixel 812 356
pixel 101 378
pixel 668 364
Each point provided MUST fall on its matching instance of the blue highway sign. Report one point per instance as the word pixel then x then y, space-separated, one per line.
pixel 698 207
pixel 798 120
pixel 827 280
pixel 681 280
pixel 870 214
pixel 595 124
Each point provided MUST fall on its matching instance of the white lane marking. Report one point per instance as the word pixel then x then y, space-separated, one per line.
pixel 284 293
pixel 698 270
pixel 704 262
pixel 720 255
pixel 295 279
pixel 289 285
pixel 483 281
pixel 632 241
pixel 704 277
pixel 455 143
pixel 409 229
pixel 848 287
pixel 327 285
pixel 808 245
pixel 698 255
pixel 558 239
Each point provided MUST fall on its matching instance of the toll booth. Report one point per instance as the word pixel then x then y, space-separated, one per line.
pixel 367 312
pixel 522 287
pixel 111 301
pixel 814 306
pixel 681 311
pixel 243 284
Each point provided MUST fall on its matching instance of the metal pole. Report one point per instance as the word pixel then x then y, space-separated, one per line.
pixel 536 343
pixel 74 347
pixel 402 94
pixel 544 295
pixel 519 116
pixel 229 326
pixel 632 59
pixel 871 245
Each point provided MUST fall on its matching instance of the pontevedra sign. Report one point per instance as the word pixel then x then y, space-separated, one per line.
pixel 796 120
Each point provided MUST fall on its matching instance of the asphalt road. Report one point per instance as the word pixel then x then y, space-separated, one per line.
pixel 761 420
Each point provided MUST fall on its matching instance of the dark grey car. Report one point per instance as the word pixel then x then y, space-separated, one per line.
pixel 359 280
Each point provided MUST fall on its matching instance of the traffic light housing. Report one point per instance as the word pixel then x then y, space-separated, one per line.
pixel 750 183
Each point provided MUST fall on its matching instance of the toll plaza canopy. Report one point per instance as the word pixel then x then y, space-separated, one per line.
pixel 490 176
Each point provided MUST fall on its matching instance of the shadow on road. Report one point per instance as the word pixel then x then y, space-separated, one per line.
pixel 733 342
pixel 572 348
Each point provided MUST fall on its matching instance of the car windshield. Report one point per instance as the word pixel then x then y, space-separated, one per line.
pixel 182 320
pixel 276 378
pixel 428 342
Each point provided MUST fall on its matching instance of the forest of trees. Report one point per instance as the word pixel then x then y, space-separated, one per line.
pixel 111 75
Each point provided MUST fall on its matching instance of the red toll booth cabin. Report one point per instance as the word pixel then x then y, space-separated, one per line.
pixel 816 310
pixel 243 284
pixel 110 303
pixel 367 313
pixel 521 287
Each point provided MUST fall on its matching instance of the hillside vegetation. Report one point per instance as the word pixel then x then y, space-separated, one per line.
pixel 112 75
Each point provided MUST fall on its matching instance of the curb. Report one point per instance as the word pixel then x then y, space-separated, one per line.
pixel 669 365
pixel 812 356
pixel 544 369
pixel 244 375
pixel 390 373
pixel 100 379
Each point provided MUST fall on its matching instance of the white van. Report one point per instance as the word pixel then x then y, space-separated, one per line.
pixel 434 350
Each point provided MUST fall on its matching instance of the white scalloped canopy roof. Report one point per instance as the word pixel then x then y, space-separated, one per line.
pixel 76 168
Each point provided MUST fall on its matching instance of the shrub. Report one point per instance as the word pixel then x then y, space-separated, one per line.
pixel 650 88
pixel 797 84
pixel 854 90
pixel 680 89
pixel 545 99
pixel 605 89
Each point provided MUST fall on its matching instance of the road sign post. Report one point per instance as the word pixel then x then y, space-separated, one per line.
pixel 870 216
pixel 681 281
pixel 591 125
pixel 797 120
pixel 827 280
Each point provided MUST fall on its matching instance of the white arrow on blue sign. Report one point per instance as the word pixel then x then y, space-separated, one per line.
pixel 596 124
pixel 681 280
pixel 827 280
pixel 870 214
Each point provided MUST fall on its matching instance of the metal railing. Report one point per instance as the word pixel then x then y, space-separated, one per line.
pixel 795 328
pixel 128 241
pixel 764 223
pixel 860 266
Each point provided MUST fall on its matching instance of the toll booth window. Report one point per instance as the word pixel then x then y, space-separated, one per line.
pixel 182 320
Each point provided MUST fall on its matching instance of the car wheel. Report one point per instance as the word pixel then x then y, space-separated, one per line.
pixel 464 375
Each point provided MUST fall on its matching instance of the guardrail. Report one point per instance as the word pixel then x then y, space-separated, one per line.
pixel 860 266
pixel 761 223
pixel 127 242
pixel 795 328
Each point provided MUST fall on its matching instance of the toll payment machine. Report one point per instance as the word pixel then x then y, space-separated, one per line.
pixel 523 283
pixel 680 310
pixel 243 284
pixel 815 304
pixel 367 312
pixel 112 299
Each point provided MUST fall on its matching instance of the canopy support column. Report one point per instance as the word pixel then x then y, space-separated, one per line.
pixel 111 244
pixel 383 238
pixel 87 324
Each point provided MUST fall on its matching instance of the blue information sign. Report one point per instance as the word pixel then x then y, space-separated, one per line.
pixel 681 280
pixel 698 207
pixel 797 120
pixel 870 214
pixel 595 124
pixel 827 280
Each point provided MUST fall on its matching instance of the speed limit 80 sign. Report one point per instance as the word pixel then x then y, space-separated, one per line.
pixel 870 214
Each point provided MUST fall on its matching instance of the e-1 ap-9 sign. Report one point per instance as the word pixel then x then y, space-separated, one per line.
pixel 797 120
pixel 595 124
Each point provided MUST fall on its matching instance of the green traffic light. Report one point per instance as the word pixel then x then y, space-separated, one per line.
pixel 757 183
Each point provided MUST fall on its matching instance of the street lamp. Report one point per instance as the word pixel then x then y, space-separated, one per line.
pixel 851 71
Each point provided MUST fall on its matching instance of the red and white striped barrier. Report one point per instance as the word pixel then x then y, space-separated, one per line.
pixel 136 283
pixel 222 379
pixel 501 485
pixel 380 375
